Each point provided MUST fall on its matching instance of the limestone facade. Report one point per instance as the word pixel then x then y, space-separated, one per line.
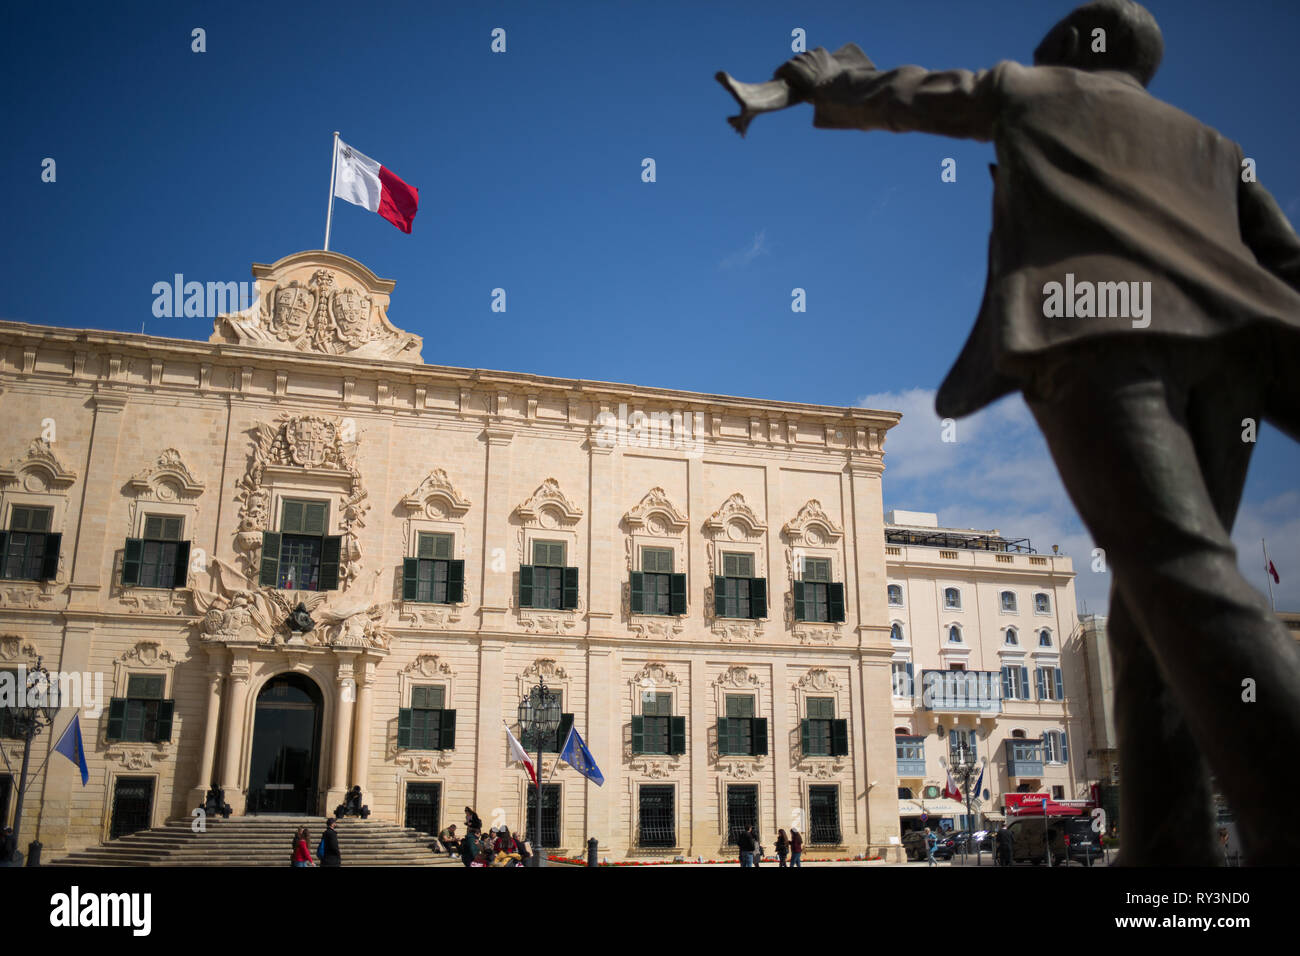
pixel 312 398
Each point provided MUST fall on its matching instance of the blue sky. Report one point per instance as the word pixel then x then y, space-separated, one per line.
pixel 529 169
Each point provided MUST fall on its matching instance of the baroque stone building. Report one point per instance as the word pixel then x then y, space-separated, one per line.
pixel 303 559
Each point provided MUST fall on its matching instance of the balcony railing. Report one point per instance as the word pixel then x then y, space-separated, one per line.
pixel 962 692
pixel 911 756
pixel 1024 758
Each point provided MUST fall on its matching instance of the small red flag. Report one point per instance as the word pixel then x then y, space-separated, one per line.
pixel 1273 571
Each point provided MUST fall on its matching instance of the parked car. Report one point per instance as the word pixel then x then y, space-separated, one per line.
pixel 980 839
pixel 914 845
pixel 1071 839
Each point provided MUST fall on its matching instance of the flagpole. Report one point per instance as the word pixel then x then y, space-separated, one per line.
pixel 1268 576
pixel 334 164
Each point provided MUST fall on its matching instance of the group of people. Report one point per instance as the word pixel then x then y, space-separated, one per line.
pixel 751 849
pixel 327 851
pixel 499 847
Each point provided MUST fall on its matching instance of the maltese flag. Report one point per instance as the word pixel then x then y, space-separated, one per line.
pixel 362 181
pixel 951 791
pixel 517 751
pixel 1273 571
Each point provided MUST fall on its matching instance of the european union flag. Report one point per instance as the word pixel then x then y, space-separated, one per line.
pixel 577 756
pixel 70 746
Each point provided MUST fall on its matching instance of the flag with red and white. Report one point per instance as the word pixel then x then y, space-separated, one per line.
pixel 951 791
pixel 364 182
pixel 517 751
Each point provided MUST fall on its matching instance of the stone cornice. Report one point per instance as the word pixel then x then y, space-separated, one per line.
pixel 230 356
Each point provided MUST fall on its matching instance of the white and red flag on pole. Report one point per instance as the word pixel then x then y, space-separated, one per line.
pixel 517 751
pixel 951 791
pixel 364 182
pixel 1273 571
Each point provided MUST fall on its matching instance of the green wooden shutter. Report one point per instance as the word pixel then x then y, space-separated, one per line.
pixel 447 731
pixel 798 601
pixel 724 735
pixel 131 562
pixel 4 544
pixel 835 602
pixel 50 562
pixel 562 734
pixel 805 736
pixel 638 734
pixel 403 728
pixel 760 736
pixel 525 585
pixel 410 578
pixel 676 594
pixel 269 575
pixel 757 598
pixel 839 737
pixel 677 735
pixel 166 711
pixel 313 518
pixel 116 717
pixel 569 597
pixel 455 582
pixel 331 546
pixel 638 592
pixel 181 571
pixel 720 596
pixel 291 518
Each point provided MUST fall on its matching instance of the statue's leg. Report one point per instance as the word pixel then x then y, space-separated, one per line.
pixel 1157 755
pixel 1155 470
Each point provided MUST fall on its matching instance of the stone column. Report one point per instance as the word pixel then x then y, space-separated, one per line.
pixel 208 755
pixel 346 693
pixel 86 549
pixel 361 734
pixel 236 703
pixel 779 721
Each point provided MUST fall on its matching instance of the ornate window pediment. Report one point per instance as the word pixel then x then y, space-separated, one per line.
pixel 812 526
pixel 167 479
pixel 655 515
pixel 39 470
pixel 734 526
pixel 548 507
pixel 735 520
pixel 437 498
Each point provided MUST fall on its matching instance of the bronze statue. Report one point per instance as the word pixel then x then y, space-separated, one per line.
pixel 1143 293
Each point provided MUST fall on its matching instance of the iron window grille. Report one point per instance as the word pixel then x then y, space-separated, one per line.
pixel 824 815
pixel 550 816
pixel 656 824
pixel 742 810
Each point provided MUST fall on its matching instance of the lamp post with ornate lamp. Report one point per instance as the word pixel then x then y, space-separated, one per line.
pixel 33 713
pixel 966 772
pixel 539 715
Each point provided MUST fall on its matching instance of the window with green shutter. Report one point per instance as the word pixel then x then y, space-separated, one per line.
pixel 433 576
pixel 28 551
pixel 736 729
pixel 159 559
pixel 301 556
pixel 737 593
pixel 656 714
pixel 547 576
pixel 427 724
pixel 655 589
pixel 817 729
pixel 143 716
pixel 812 594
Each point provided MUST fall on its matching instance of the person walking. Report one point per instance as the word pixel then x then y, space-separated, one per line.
pixel 746 842
pixel 931 841
pixel 782 847
pixel 796 848
pixel 330 856
pixel 301 848
pixel 472 822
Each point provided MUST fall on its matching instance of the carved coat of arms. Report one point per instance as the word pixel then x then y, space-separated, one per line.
pixel 309 440
pixel 294 305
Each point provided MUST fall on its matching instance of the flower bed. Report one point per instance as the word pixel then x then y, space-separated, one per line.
pixel 579 861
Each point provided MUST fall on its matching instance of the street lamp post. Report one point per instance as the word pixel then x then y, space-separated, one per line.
pixel 966 772
pixel 539 714
pixel 34 712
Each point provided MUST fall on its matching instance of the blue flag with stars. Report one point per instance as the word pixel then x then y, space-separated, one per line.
pixel 577 756
pixel 70 746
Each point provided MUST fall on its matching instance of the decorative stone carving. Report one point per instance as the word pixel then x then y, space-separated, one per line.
pixel 656 768
pixel 147 601
pixel 136 757
pixel 301 443
pixel 744 632
pixel 167 479
pixel 558 623
pixel 741 768
pixel 735 517
pixel 548 506
pixel 12 648
pixel 817 680
pixel 814 633
pixel 436 497
pixel 147 654
pixel 428 666
pixel 38 470
pixel 812 520
pixel 544 667
pixel 652 675
pixel 822 768
pixel 320 302
pixel 735 521
pixel 655 514
pixel 27 595
pixel 439 617
pixel 739 677
pixel 427 764
pixel 654 627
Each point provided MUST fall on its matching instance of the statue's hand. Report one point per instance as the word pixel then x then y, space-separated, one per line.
pixel 808 71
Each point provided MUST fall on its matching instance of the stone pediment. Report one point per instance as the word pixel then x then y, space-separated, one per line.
pixel 320 302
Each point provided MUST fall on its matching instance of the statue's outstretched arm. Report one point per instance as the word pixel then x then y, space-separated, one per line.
pixel 955 103
pixel 1268 233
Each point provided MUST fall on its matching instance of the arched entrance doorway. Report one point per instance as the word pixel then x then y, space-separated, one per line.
pixel 286 746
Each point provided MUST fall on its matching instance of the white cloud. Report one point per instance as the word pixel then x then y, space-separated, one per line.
pixel 743 257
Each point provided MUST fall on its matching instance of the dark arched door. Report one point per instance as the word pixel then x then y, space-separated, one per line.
pixel 286 746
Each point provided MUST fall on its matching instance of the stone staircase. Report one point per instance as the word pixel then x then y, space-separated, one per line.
pixel 260 841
